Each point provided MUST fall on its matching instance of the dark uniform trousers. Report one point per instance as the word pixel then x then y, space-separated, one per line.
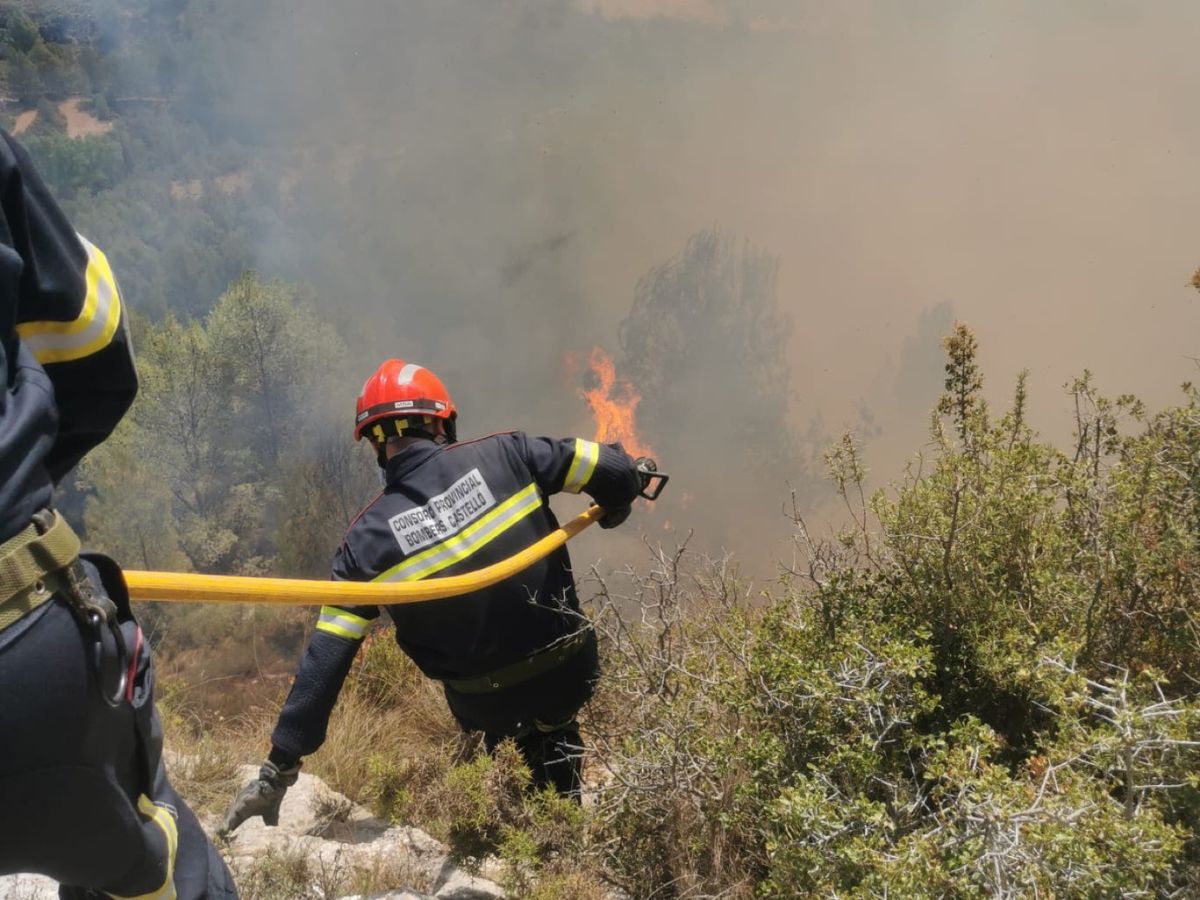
pixel 84 797
pixel 549 740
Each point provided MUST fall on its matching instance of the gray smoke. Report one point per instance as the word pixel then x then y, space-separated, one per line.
pixel 480 186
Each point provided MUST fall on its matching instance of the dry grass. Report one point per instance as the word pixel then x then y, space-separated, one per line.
pixel 290 874
pixel 329 808
pixel 203 754
pixel 392 746
pixel 275 876
pixel 24 122
pixel 391 738
pixel 206 773
pixel 390 743
pixel 388 875
pixel 569 886
pixel 216 665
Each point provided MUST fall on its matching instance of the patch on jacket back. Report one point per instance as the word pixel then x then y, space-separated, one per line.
pixel 446 514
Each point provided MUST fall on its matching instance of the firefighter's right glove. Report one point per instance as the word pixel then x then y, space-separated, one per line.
pixel 615 515
pixel 261 797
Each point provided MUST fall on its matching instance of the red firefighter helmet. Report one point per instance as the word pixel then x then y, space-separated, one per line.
pixel 402 397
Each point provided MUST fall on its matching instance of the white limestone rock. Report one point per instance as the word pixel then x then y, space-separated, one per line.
pixel 332 832
pixel 28 887
pixel 459 885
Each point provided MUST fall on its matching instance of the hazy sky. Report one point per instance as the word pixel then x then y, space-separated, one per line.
pixel 499 175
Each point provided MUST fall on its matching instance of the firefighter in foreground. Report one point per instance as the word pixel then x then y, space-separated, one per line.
pixel 84 798
pixel 516 660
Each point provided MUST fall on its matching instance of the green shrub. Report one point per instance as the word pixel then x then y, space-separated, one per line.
pixel 984 687
pixel 70 167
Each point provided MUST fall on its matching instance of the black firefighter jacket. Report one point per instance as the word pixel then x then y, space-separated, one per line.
pixel 66 367
pixel 452 509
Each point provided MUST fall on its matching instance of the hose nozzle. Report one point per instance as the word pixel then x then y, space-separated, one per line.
pixel 653 481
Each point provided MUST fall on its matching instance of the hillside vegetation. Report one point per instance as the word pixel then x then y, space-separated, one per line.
pixel 134 65
pixel 983 688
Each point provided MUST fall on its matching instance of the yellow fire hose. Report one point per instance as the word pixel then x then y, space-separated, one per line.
pixel 171 587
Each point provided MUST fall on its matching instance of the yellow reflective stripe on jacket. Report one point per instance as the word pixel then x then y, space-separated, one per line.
pixel 587 454
pixel 162 817
pixel 342 623
pixel 458 547
pixel 92 330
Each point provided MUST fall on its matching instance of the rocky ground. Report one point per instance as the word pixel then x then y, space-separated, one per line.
pixel 338 841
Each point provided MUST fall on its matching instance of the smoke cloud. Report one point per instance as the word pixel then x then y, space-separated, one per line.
pixel 479 186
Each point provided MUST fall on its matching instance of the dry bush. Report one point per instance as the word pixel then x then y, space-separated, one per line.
pixel 675 639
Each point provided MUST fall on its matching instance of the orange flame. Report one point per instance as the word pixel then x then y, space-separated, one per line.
pixel 614 412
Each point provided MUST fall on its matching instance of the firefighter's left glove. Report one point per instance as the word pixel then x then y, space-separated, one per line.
pixel 261 797
pixel 615 515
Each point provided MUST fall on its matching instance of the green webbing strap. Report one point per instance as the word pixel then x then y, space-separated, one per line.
pixel 530 667
pixel 29 563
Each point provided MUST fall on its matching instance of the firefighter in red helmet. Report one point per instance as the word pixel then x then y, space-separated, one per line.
pixel 516 660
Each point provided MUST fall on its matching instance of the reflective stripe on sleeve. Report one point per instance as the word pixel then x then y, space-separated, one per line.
pixel 342 623
pixel 92 330
pixel 165 820
pixel 587 454
pixel 460 546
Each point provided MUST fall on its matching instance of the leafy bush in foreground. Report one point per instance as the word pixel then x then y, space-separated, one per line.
pixel 990 691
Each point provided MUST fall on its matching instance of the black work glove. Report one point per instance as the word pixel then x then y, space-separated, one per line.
pixel 261 797
pixel 615 515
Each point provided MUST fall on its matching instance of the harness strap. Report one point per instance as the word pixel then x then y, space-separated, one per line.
pixel 33 565
pixel 530 667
